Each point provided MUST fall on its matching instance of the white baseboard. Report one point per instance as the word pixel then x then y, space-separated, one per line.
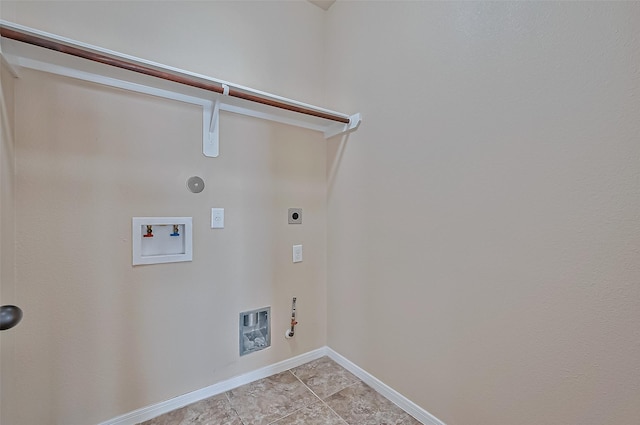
pixel 401 401
pixel 150 412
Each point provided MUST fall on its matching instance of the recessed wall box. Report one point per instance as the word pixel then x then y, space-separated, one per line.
pixel 162 240
pixel 255 330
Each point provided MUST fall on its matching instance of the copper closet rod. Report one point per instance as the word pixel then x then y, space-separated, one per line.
pixel 130 66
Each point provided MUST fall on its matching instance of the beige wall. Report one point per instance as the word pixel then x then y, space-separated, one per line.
pixel 482 228
pixel 7 234
pixel 101 338
pixel 483 221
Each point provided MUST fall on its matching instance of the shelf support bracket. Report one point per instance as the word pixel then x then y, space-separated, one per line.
pixel 211 130
pixel 8 62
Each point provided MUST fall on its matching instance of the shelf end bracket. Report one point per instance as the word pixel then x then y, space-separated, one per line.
pixel 354 123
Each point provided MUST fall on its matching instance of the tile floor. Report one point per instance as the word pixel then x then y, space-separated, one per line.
pixel 320 392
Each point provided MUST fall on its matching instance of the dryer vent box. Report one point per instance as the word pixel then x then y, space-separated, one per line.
pixel 255 330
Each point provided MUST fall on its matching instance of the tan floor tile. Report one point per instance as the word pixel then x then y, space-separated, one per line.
pixel 359 404
pixel 324 376
pixel 270 399
pixel 212 411
pixel 282 399
pixel 315 414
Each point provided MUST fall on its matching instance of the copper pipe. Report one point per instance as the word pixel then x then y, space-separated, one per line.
pixel 176 78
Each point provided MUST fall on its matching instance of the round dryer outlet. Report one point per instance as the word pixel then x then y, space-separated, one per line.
pixel 295 215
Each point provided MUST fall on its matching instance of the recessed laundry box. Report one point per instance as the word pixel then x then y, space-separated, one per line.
pixel 255 330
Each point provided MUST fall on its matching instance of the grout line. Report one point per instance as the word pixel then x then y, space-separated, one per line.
pixel 297 410
pixel 321 400
pixel 344 388
pixel 334 412
pixel 330 408
pixel 226 394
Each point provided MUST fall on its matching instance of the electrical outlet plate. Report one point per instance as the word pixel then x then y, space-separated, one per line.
pixel 297 253
pixel 295 215
pixel 217 218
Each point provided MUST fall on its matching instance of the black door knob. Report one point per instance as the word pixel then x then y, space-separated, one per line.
pixel 10 315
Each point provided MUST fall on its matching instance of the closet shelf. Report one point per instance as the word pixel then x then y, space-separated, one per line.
pixel 24 47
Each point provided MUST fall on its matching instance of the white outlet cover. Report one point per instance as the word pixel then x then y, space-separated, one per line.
pixel 217 218
pixel 297 253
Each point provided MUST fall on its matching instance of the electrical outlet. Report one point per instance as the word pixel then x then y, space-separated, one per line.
pixel 295 215
pixel 217 218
